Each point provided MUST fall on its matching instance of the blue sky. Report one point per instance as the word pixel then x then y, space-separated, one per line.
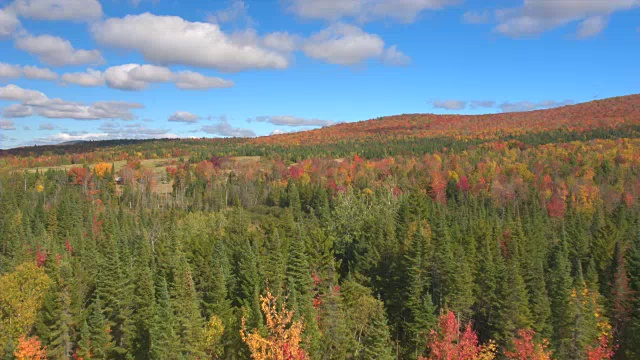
pixel 89 69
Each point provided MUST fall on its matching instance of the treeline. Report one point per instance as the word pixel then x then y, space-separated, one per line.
pixel 374 259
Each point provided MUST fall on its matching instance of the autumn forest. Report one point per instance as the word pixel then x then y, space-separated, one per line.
pixel 417 236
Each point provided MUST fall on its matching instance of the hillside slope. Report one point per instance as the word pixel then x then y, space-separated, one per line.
pixel 611 112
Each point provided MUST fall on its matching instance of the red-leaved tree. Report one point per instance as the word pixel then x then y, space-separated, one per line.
pixel 526 349
pixel 447 342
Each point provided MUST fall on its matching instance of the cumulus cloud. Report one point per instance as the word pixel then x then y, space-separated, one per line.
pixel 287 120
pixel 17 111
pixel 529 106
pixel 190 80
pixel 82 10
pixel 34 72
pixel 43 106
pixel 592 26
pixel 7 125
pixel 16 93
pixel 57 51
pixel 184 116
pixel 537 16
pixel 365 10
pixel 392 56
pixel 449 104
pixel 10 71
pixel 89 78
pixel 115 130
pixel 138 77
pixel 9 22
pixel 30 72
pixel 346 44
pixel 65 137
pixel 135 77
pixel 223 128
pixel 170 40
pixel 281 41
pixel 279 131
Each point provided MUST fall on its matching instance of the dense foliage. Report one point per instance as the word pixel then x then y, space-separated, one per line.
pixel 518 245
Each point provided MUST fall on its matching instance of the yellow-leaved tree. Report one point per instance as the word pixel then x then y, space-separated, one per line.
pixel 21 295
pixel 284 334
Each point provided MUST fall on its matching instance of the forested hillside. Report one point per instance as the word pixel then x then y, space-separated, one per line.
pixel 507 236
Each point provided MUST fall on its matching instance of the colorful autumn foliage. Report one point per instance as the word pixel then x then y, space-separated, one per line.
pixel 448 342
pixel 30 349
pixel 284 333
pixel 509 221
pixel 524 347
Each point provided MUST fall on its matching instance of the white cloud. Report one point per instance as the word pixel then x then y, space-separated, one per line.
pixel 537 16
pixel 82 10
pixel 57 51
pixel 17 111
pixel 184 116
pixel 7 125
pixel 190 80
pixel 281 41
pixel 365 10
pixel 8 22
pixel 592 26
pixel 135 77
pixel 138 77
pixel 223 128
pixel 279 131
pixel 89 78
pixel 43 106
pixel 449 104
pixel 65 137
pixel 345 44
pixel 13 92
pixel 30 72
pixel 10 71
pixel 47 126
pixel 392 56
pixel 287 120
pixel 169 40
pixel 114 130
pixel 34 72
pixel 529 106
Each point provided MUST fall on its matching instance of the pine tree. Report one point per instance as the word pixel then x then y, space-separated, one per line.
pixel 165 341
pixel 102 345
pixel 189 323
pixel 562 311
pixel 377 341
pixel 420 316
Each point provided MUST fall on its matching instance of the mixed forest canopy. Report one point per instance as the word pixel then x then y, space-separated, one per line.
pixel 506 236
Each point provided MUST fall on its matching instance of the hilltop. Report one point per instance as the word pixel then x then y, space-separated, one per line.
pixel 376 138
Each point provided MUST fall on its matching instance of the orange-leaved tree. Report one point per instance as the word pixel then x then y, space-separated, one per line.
pixel 30 349
pixel 447 342
pixel 284 334
pixel 102 168
pixel 526 349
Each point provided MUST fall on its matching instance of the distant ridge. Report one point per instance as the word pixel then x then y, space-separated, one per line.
pixel 610 112
pixel 605 113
